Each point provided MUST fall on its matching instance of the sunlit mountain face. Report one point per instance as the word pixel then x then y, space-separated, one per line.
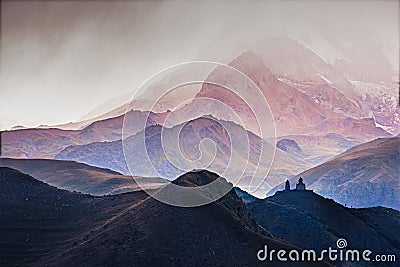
pixel 295 111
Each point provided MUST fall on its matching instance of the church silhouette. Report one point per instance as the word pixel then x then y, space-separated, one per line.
pixel 300 186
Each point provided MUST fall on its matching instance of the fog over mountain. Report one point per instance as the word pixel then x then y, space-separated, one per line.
pixel 61 60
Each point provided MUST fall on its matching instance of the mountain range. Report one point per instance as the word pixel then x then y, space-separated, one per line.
pixel 320 111
pixel 222 134
pixel 48 142
pixel 285 165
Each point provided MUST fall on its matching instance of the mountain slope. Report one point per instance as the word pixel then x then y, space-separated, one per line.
pixel 132 229
pixel 37 218
pixel 363 176
pixel 313 222
pixel 294 111
pixel 287 57
pixel 372 92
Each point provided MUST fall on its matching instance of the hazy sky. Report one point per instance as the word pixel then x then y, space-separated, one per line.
pixel 60 60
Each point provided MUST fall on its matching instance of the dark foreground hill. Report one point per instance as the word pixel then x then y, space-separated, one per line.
pixel 41 225
pixel 310 221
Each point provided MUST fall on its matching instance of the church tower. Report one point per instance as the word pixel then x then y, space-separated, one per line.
pixel 287 185
pixel 300 185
